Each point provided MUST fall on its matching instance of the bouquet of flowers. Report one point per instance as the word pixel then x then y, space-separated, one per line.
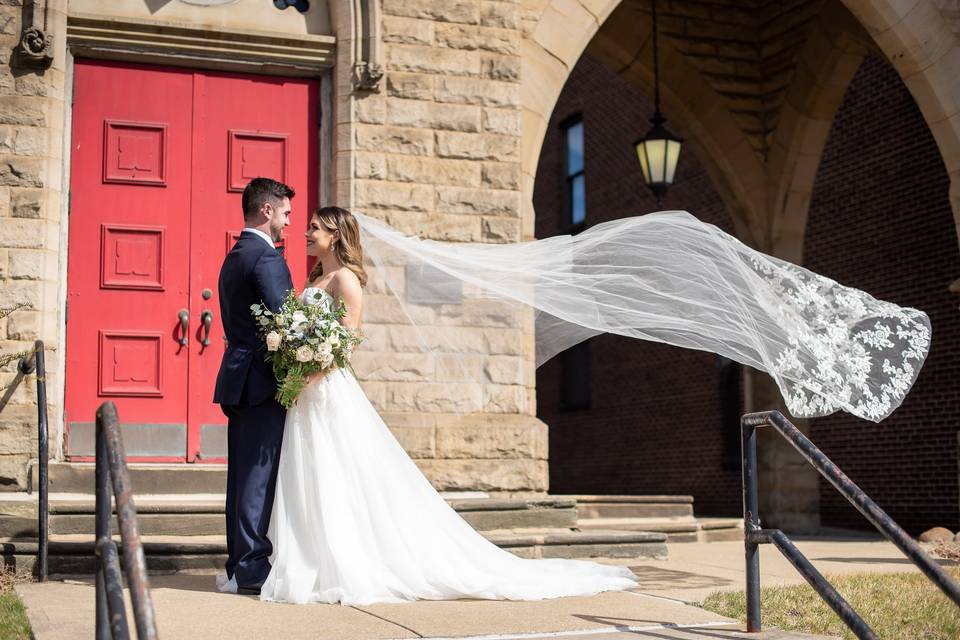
pixel 303 339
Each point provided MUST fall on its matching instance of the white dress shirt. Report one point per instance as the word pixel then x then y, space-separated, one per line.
pixel 266 238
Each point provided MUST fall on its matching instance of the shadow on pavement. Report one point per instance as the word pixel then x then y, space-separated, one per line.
pixel 202 583
pixel 658 578
pixel 671 631
pixel 621 624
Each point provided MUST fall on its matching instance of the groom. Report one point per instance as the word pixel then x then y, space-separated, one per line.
pixel 254 271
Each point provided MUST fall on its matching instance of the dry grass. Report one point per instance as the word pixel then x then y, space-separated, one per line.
pixel 13 617
pixel 895 605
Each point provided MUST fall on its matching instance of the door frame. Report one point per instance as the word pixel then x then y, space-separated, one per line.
pixel 317 64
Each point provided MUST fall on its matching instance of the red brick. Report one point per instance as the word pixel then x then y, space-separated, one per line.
pixel 880 220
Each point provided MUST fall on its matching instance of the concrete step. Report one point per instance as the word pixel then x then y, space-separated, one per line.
pixel 199 514
pixel 683 529
pixel 73 554
pixel 619 506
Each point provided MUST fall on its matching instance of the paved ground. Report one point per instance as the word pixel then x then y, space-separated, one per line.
pixel 188 605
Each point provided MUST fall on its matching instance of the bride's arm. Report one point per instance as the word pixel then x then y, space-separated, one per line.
pixel 347 288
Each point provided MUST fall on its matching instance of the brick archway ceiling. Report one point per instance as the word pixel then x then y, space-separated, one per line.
pixel 747 50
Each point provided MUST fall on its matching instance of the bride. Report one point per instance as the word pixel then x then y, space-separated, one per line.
pixel 354 520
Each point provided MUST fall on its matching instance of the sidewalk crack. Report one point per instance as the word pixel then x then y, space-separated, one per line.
pixel 396 624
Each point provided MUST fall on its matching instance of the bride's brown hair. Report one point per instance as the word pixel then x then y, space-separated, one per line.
pixel 348 249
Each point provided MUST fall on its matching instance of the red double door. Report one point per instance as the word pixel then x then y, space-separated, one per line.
pixel 159 159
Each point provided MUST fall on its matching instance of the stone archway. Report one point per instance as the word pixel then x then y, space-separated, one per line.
pixel 915 37
pixel 835 49
pixel 764 170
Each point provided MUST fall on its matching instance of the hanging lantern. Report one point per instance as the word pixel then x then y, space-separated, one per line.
pixel 659 150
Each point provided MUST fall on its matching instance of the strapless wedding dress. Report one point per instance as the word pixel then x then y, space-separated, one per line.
pixel 355 521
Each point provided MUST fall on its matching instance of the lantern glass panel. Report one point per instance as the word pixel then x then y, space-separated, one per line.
pixel 673 155
pixel 644 165
pixel 656 156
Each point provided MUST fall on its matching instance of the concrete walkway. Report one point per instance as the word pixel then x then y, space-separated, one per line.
pixel 188 605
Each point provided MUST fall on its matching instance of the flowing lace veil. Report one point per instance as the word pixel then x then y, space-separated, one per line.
pixel 666 277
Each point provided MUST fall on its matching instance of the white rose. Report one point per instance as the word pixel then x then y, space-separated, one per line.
pixel 304 354
pixel 273 341
pixel 297 321
pixel 327 360
pixel 325 348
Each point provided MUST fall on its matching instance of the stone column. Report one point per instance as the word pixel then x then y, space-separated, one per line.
pixel 789 486
pixel 31 206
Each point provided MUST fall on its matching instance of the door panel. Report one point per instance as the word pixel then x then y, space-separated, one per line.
pixel 128 260
pixel 247 126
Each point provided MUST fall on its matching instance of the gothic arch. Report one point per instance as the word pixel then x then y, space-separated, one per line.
pixel 915 37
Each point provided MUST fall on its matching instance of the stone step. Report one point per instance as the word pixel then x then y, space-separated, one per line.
pixel 73 554
pixel 145 478
pixel 203 514
pixel 683 529
pixel 619 506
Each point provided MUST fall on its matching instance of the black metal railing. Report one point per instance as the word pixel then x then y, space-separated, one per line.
pixel 755 535
pixel 30 363
pixel 111 469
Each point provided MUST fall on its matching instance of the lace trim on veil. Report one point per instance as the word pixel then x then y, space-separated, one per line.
pixel 668 277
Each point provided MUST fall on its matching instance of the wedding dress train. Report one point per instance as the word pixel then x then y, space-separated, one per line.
pixel 356 522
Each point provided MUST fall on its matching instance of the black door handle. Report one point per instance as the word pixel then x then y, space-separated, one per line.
pixel 207 319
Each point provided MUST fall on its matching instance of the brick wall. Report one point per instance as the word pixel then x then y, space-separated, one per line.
pixel 880 220
pixel 654 425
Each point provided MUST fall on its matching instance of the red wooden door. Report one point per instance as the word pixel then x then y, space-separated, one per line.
pixel 246 126
pixel 158 162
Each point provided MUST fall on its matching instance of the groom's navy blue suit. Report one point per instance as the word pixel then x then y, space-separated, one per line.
pixel 253 272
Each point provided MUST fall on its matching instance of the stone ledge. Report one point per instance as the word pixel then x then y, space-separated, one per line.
pixel 185 45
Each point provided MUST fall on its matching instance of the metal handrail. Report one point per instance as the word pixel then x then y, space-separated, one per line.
pixel 34 361
pixel 754 535
pixel 111 469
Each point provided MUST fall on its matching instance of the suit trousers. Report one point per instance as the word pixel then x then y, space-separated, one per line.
pixel 254 436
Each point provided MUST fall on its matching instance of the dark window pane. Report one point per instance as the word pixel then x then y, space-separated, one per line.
pixel 578 200
pixel 576 385
pixel 575 149
pixel 730 410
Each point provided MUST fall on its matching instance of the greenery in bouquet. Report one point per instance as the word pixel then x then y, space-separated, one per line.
pixel 303 338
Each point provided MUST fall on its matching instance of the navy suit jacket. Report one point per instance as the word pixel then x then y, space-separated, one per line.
pixel 252 273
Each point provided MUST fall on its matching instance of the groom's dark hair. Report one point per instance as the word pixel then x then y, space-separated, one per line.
pixel 262 190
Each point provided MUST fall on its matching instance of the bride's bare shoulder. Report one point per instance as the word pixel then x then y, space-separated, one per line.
pixel 346 279
pixel 346 286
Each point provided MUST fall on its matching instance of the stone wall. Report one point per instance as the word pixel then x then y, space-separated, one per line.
pixel 436 152
pixel 31 198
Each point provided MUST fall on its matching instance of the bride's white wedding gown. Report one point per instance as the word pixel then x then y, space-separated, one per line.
pixel 355 521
